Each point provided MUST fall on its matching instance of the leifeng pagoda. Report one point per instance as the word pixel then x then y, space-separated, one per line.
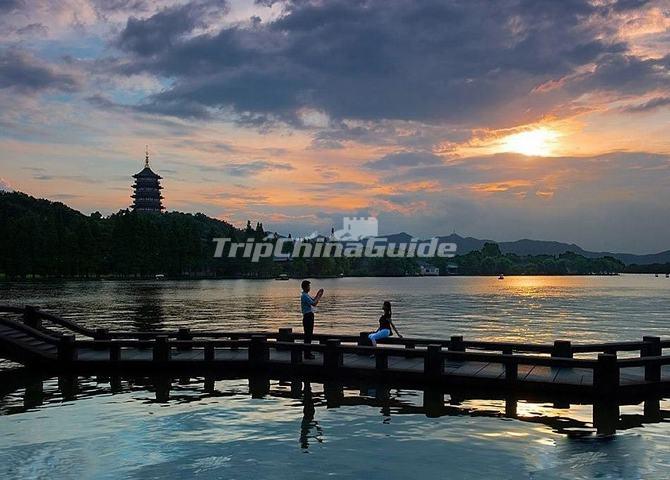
pixel 147 187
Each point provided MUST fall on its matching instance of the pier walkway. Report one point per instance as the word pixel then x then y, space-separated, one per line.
pixel 607 370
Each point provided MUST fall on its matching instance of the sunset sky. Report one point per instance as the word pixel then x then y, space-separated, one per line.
pixel 500 119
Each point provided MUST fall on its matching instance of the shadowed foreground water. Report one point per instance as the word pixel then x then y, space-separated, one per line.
pixel 82 429
pixel 88 431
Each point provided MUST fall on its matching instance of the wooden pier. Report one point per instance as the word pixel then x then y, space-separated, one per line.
pixel 624 370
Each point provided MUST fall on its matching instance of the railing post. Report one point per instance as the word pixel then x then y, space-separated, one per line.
pixel 606 374
pixel 66 349
pixel 562 349
pixel 652 348
pixel 31 317
pixel 511 370
pixel 433 365
pixel 409 346
pixel 259 352
pixel 332 359
pixel 456 344
pixel 296 354
pixel 101 334
pixel 114 352
pixel 334 393
pixel 209 384
pixel 161 349
pixel 381 359
pixel 209 352
pixel 184 335
pixel 284 335
pixel 363 341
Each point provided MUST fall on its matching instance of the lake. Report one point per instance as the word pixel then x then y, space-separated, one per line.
pixel 92 427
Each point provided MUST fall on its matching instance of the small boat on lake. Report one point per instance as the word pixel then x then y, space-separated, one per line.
pixel 501 277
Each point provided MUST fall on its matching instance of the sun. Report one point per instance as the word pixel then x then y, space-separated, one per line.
pixel 537 142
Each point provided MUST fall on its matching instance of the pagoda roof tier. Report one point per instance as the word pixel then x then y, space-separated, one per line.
pixel 147 173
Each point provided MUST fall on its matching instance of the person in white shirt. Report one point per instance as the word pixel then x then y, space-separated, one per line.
pixel 307 304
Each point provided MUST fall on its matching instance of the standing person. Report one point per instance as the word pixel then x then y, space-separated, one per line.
pixel 307 304
pixel 385 325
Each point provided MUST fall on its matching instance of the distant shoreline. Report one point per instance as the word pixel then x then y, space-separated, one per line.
pixel 186 279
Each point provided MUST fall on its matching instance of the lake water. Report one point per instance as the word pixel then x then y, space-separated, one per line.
pixel 91 428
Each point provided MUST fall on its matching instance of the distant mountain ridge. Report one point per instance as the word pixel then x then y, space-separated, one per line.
pixel 538 247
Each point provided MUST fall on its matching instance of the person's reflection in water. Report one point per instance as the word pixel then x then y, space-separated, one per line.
pixel 308 422
pixel 148 311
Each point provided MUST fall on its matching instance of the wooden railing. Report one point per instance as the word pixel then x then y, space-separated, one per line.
pixel 606 367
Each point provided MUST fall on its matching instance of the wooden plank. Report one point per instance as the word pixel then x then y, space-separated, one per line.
pixel 541 374
pixel 239 355
pixel 469 369
pixel 631 376
pixel 87 354
pixel 409 364
pixel 492 370
pixel 524 370
pixel 570 376
pixel 358 361
pixel 317 360
pixel 281 356
pixel 189 355
pixel 135 354
pixel 451 365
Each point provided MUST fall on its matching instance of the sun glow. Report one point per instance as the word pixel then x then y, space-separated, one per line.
pixel 536 142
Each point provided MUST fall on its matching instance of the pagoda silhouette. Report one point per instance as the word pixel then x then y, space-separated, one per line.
pixel 147 188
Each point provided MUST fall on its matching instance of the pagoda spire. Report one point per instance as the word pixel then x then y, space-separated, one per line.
pixel 147 189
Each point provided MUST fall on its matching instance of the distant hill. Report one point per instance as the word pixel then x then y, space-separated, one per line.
pixel 539 247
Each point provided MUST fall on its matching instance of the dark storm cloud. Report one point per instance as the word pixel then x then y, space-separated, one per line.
pixel 107 6
pixel 7 6
pixel 465 61
pixel 159 32
pixel 404 159
pixel 26 73
pixel 246 169
pixel 627 74
pixel 652 104
pixel 33 29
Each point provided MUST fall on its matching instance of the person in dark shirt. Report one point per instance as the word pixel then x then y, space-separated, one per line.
pixel 386 326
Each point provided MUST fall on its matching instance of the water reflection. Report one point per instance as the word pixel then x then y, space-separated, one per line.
pixel 239 427
pixel 541 309
pixel 147 307
pixel 309 428
pixel 25 392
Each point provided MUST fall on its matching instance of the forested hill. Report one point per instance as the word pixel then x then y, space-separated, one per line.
pixel 39 238
pixel 50 239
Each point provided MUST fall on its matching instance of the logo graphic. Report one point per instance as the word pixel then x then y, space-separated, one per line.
pixel 357 238
pixel 357 228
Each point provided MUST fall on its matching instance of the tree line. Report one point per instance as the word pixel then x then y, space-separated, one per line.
pixel 45 239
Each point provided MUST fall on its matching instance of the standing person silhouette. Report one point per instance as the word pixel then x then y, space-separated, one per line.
pixel 307 304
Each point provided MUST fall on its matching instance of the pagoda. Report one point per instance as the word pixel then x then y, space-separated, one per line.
pixel 147 187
